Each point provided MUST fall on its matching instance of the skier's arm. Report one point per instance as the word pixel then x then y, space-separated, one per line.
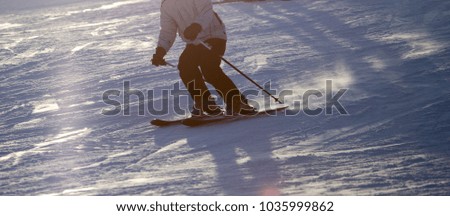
pixel 168 31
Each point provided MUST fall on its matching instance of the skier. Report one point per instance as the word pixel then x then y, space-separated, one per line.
pixel 196 22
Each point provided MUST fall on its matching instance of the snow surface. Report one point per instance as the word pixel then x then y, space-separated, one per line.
pixel 393 56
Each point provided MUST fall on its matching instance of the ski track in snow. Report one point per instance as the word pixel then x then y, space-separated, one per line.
pixel 56 62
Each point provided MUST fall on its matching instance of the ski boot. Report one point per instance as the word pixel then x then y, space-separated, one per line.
pixel 240 108
pixel 209 110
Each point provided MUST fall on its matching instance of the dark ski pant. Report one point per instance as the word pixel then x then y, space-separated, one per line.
pixel 197 64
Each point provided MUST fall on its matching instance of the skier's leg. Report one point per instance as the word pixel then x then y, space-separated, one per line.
pixel 193 80
pixel 213 73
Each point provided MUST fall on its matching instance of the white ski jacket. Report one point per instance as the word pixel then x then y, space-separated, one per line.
pixel 177 15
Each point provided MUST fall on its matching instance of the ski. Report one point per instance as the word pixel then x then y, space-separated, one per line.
pixel 193 122
pixel 198 121
pixel 163 123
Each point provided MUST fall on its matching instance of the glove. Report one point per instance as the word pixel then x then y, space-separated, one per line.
pixel 192 31
pixel 158 57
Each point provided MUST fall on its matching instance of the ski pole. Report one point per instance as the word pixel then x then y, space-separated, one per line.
pixel 245 75
pixel 171 65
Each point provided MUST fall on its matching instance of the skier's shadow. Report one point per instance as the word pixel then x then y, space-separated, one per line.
pixel 241 153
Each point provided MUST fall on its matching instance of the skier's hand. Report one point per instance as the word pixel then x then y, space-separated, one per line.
pixel 158 57
pixel 158 61
pixel 192 31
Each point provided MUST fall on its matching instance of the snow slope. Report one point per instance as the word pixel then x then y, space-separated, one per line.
pixel 392 56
